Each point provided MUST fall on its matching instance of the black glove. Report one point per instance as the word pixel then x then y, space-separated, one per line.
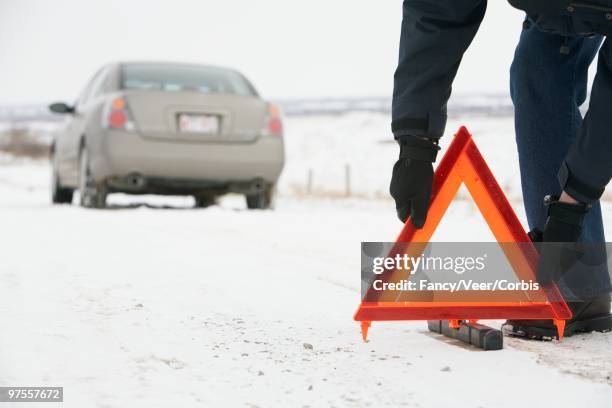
pixel 559 251
pixel 413 177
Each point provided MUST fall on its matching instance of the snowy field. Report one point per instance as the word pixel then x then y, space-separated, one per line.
pixel 326 145
pixel 155 304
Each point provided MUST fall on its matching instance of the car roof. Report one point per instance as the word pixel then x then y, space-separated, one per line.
pixel 180 64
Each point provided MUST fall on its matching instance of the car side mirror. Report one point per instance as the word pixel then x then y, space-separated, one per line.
pixel 61 107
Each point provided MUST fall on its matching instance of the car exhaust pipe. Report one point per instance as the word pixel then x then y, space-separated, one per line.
pixel 135 180
pixel 254 186
pixel 257 186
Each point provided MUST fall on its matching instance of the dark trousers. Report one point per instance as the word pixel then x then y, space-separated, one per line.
pixel 547 88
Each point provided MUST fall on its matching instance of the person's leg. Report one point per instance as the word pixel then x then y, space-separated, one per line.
pixel 588 165
pixel 547 88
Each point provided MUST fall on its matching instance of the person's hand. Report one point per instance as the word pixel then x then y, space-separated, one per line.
pixel 412 179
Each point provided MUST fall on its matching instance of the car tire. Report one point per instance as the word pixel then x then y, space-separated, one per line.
pixel 260 201
pixel 59 193
pixel 204 200
pixel 92 195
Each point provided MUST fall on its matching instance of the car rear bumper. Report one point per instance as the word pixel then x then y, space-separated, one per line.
pixel 135 183
pixel 118 155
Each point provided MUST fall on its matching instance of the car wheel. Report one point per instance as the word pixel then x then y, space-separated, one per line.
pixel 203 201
pixel 59 194
pixel 92 195
pixel 260 201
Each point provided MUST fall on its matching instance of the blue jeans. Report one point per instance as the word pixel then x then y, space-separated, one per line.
pixel 547 88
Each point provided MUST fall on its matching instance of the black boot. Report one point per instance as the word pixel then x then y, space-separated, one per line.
pixel 588 316
pixel 564 224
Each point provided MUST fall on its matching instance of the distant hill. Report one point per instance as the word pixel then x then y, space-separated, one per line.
pixel 27 113
pixel 485 105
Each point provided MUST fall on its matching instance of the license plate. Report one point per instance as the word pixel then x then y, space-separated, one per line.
pixel 198 123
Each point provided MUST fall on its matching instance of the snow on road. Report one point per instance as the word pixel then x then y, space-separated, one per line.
pixel 157 306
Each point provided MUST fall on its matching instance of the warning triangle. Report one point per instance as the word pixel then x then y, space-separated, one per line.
pixel 463 163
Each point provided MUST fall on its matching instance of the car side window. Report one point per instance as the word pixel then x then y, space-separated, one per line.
pixel 89 90
pixel 100 84
pixel 82 98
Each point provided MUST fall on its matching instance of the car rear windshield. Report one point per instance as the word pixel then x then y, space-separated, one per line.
pixel 151 77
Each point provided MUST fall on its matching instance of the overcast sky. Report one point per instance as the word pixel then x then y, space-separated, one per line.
pixel 288 48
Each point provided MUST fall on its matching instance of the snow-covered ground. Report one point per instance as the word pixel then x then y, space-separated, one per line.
pixel 162 305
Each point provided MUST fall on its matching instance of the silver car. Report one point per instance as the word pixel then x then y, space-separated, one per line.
pixel 166 128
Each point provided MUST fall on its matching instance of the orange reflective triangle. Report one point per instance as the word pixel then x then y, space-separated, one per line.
pixel 463 163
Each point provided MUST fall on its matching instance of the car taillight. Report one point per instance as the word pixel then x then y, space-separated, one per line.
pixel 117 116
pixel 117 119
pixel 274 124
